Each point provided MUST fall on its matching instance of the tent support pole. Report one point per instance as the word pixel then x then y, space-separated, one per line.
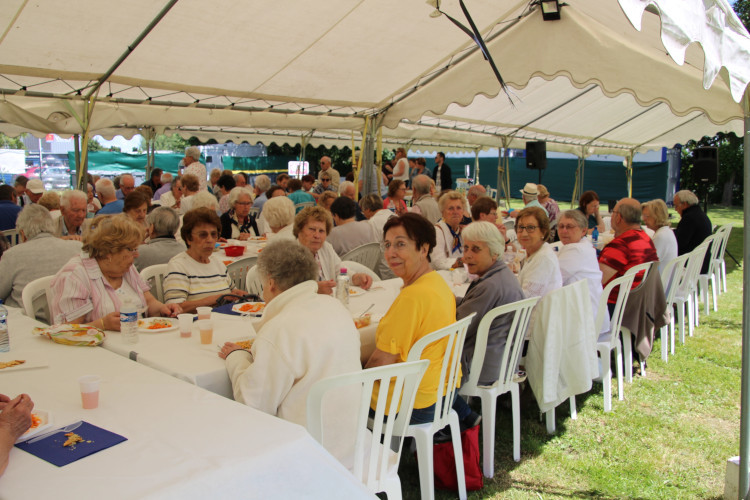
pixel 745 390
pixel 77 150
pixel 629 173
pixel 82 169
pixel 476 166
pixel 150 150
pixel 503 173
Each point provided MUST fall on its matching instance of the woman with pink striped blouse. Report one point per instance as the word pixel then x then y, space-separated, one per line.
pixel 92 287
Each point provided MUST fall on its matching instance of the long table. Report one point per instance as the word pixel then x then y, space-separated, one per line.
pixel 183 442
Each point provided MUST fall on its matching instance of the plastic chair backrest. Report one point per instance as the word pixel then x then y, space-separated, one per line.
pixel 254 212
pixel 300 206
pixel 644 268
pixel 615 320
pixel 724 231
pixel 672 275
pixel 154 276
pixel 34 298
pixel 521 311
pixel 238 269
pixel 253 282
pixel 716 244
pixel 693 267
pixel 369 453
pixel 12 236
pixel 367 254
pixel 356 267
pixel 450 366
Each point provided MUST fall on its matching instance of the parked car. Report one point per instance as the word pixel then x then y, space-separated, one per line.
pixel 56 178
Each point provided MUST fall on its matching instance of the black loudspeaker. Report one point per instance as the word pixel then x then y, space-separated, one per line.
pixel 536 155
pixel 706 164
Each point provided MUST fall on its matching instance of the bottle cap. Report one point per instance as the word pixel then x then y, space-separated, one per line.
pixel 343 270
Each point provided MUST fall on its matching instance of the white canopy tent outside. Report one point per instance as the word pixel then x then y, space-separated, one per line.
pixel 588 83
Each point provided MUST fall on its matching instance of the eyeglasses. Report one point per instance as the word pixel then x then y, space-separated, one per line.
pixel 473 249
pixel 202 235
pixel 528 229
pixel 325 180
pixel 244 203
pixel 566 227
pixel 399 245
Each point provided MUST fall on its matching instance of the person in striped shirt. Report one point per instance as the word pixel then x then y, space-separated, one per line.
pixel 197 277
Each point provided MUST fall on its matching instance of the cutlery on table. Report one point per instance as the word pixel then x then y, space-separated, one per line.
pixel 67 428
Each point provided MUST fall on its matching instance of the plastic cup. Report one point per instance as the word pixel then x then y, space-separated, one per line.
pixel 204 313
pixel 206 327
pixel 89 391
pixel 186 324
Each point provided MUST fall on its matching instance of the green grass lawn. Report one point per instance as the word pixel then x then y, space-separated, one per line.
pixel 670 437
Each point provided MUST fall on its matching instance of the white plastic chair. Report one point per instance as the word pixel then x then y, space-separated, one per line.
pixel 687 290
pixel 12 236
pixel 154 276
pixel 627 343
pixel 367 254
pixel 238 269
pixel 721 267
pixel 35 297
pixel 711 274
pixel 254 212
pixel 375 463
pixel 610 341
pixel 670 281
pixel 506 380
pixel 253 282
pixel 298 207
pixel 454 336
pixel 355 267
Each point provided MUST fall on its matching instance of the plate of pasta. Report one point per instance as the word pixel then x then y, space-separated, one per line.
pixel 156 325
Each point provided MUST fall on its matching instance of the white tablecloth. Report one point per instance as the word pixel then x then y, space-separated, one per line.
pixel 186 358
pixel 183 442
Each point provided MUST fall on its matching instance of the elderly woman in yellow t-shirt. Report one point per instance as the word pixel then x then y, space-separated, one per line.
pixel 425 304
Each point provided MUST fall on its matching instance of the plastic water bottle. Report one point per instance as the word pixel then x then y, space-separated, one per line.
pixel 595 234
pixel 342 287
pixel 4 337
pixel 129 322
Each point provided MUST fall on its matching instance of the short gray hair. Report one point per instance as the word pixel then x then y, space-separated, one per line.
pixel 166 177
pixel 631 214
pixel 576 216
pixel 33 220
pixel 70 194
pixel 204 199
pixel 686 196
pixel 343 187
pixel 193 152
pixel 235 194
pixel 165 221
pixel 105 187
pixel 262 182
pixel 421 184
pixel 488 233
pixel 288 263
pixel 659 211
pixel 279 211
pixel 450 195
pixel 476 190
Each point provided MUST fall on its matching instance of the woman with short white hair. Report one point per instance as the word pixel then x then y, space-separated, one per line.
pixel 238 223
pixel 449 249
pixel 279 215
pixel 495 285
pixel 291 353
pixel 577 258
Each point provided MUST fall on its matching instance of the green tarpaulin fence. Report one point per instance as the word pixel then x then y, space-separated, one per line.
pixel 110 161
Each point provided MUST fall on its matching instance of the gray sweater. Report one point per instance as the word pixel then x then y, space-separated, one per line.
pixel 42 255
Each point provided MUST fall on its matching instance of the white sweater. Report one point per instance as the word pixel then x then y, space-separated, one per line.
pixel 302 337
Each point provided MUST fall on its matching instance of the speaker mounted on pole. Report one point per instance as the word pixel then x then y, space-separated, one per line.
pixel 706 164
pixel 536 155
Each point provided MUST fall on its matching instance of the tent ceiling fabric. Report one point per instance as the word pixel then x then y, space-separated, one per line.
pixel 589 82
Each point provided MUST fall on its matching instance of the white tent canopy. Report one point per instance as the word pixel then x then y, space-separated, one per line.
pixel 249 68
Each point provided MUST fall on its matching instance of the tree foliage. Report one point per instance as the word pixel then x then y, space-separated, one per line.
pixel 93 145
pixel 162 142
pixel 7 142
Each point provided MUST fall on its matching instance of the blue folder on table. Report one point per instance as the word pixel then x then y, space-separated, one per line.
pixel 52 450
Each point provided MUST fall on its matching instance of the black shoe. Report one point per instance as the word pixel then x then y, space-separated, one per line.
pixel 443 435
pixel 471 421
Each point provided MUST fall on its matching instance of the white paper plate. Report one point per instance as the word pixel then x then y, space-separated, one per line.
pixel 238 308
pixel 46 424
pixel 143 323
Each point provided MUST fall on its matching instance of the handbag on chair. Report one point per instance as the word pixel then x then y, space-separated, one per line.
pixel 445 465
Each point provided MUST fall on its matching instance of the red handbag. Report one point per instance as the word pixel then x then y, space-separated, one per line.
pixel 445 465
